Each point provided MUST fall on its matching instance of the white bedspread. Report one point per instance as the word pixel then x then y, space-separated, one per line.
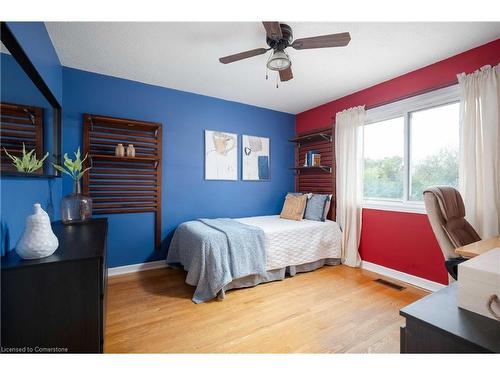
pixel 290 242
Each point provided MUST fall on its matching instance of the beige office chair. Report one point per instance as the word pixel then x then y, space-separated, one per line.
pixel 446 211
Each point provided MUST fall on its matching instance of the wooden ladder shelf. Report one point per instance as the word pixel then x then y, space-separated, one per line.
pixel 121 185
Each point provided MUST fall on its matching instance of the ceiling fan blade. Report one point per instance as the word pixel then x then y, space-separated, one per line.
pixel 286 75
pixel 273 30
pixel 323 41
pixel 243 55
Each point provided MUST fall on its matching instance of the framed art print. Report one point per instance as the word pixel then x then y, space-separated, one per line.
pixel 221 155
pixel 255 158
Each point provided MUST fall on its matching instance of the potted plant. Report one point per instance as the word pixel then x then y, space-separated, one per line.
pixel 28 163
pixel 75 207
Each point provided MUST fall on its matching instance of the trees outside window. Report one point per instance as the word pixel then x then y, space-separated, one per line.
pixel 405 155
pixel 383 159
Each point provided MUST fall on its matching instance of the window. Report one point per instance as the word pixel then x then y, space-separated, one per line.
pixel 433 148
pixel 408 146
pixel 383 166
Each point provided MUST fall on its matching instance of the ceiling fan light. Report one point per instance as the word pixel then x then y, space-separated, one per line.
pixel 279 61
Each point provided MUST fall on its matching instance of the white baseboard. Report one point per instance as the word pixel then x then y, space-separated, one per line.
pixel 401 276
pixel 381 270
pixel 136 267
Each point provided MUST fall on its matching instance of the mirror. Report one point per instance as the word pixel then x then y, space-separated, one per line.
pixel 30 115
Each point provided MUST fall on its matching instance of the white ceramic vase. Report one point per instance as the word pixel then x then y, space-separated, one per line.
pixel 38 240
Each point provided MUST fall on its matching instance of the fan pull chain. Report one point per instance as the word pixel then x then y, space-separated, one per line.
pixel 277 80
pixel 267 69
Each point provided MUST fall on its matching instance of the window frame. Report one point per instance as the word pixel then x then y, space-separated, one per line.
pixel 404 108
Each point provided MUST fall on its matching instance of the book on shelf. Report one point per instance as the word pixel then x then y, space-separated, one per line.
pixel 313 158
pixel 316 160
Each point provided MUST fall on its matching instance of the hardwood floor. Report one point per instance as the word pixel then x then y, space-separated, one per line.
pixel 331 310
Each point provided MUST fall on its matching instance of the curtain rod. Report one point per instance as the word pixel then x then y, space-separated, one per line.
pixel 421 92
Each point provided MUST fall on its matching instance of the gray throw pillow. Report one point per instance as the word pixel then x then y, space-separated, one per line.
pixel 315 207
pixel 327 207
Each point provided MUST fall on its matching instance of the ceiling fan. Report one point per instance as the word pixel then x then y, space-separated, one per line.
pixel 279 37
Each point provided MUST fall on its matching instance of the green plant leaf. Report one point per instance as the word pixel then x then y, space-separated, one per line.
pixel 13 158
pixel 28 163
pixel 61 169
pixel 77 163
pixel 83 172
pixel 71 167
pixel 68 163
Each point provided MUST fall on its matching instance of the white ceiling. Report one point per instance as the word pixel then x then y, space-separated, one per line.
pixel 184 56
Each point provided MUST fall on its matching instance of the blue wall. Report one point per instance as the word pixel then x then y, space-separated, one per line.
pixel 35 41
pixel 185 116
pixel 18 194
pixel 185 193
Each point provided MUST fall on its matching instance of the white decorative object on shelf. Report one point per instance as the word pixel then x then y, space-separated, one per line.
pixel 131 151
pixel 38 240
pixel 120 150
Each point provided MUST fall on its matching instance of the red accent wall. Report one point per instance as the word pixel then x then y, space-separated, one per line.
pixel 402 241
pixel 431 77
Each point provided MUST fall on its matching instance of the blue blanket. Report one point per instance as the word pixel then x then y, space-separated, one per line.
pixel 216 252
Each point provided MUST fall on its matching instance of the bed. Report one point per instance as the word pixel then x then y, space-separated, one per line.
pixel 266 248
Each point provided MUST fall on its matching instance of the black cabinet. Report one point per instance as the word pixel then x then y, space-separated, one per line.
pixel 58 303
pixel 435 324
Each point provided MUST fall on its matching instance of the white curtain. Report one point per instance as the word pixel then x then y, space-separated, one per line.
pixel 479 174
pixel 348 128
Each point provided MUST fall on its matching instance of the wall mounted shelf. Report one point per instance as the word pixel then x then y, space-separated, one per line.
pixel 125 158
pixel 319 179
pixel 323 168
pixel 123 185
pixel 319 136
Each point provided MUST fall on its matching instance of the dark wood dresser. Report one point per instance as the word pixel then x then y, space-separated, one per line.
pixel 58 303
pixel 435 324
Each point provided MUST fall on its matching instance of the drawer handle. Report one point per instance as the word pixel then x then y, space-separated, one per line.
pixel 493 298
